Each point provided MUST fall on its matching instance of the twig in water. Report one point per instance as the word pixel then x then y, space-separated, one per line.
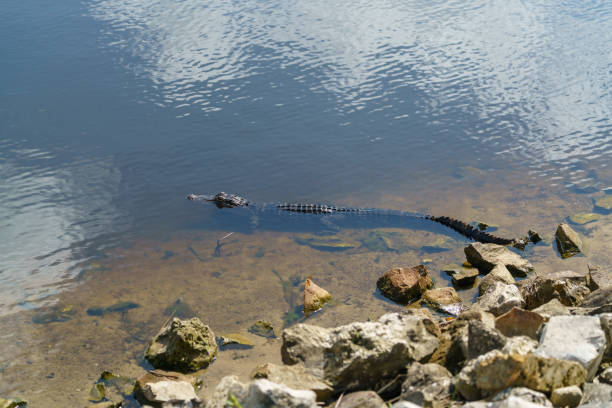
pixel 217 252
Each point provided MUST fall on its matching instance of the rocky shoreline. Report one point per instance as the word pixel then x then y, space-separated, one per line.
pixel 542 341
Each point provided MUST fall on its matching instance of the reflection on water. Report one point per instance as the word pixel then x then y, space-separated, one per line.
pixel 55 208
pixel 532 78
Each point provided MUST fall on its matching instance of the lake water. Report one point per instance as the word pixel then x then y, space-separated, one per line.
pixel 112 111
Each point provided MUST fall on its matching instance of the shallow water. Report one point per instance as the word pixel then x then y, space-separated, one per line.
pixel 111 112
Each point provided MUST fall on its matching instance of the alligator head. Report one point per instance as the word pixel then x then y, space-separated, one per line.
pixel 221 199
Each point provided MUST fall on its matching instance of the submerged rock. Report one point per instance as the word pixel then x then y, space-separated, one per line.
pixel 568 241
pixel 443 299
pixel 604 204
pixel 519 322
pixel 261 393
pixel 314 297
pixel 583 218
pixel 119 307
pixel 575 338
pixel 486 256
pixel 59 313
pixel 499 298
pixel 570 287
pixel 461 276
pixel 361 355
pixel 182 345
pixel 263 328
pixel 294 376
pixel 404 285
pixel 499 273
pixel 427 385
pixel 328 244
pixel 234 339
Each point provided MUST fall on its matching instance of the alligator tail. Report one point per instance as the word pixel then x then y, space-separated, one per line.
pixel 472 232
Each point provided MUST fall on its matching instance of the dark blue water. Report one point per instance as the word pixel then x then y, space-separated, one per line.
pixel 111 111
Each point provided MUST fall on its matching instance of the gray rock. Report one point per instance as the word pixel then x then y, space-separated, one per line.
pixel 259 394
pixel 171 394
pixel 459 335
pixel 361 399
pixel 464 277
pixel 566 396
pixel 500 298
pixel 574 338
pixel 499 273
pixel 598 298
pixel 182 345
pixel 570 287
pixel 605 320
pixel 520 345
pixel 606 376
pixel 486 256
pixel 428 385
pixel 295 377
pixel 597 394
pixel 166 389
pixel 599 278
pixel 552 308
pixel 494 371
pixel 525 394
pixel 482 339
pixel 405 404
pixel 361 355
pixel 568 241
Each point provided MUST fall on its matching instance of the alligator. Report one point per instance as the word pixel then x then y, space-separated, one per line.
pixel 226 200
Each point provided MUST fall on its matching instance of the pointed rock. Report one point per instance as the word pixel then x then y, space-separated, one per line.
pixel 500 298
pixel 314 297
pixel 499 273
pixel 568 241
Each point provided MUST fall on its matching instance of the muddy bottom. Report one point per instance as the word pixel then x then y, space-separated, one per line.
pixel 52 356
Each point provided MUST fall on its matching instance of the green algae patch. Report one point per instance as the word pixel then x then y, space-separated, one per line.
pixel 604 204
pixel 112 387
pixel 380 241
pixel 263 328
pixel 583 218
pixel 234 340
pixel 55 314
pixel 325 243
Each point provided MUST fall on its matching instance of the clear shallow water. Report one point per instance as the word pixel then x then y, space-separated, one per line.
pixel 112 111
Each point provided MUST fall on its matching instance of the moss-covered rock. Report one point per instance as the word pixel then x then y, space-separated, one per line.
pixel 583 218
pixel 263 328
pixel 604 204
pixel 182 345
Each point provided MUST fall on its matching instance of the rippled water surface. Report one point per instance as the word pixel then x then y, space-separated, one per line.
pixel 112 111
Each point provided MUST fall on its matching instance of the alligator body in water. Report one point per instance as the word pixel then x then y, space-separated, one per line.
pixel 381 217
